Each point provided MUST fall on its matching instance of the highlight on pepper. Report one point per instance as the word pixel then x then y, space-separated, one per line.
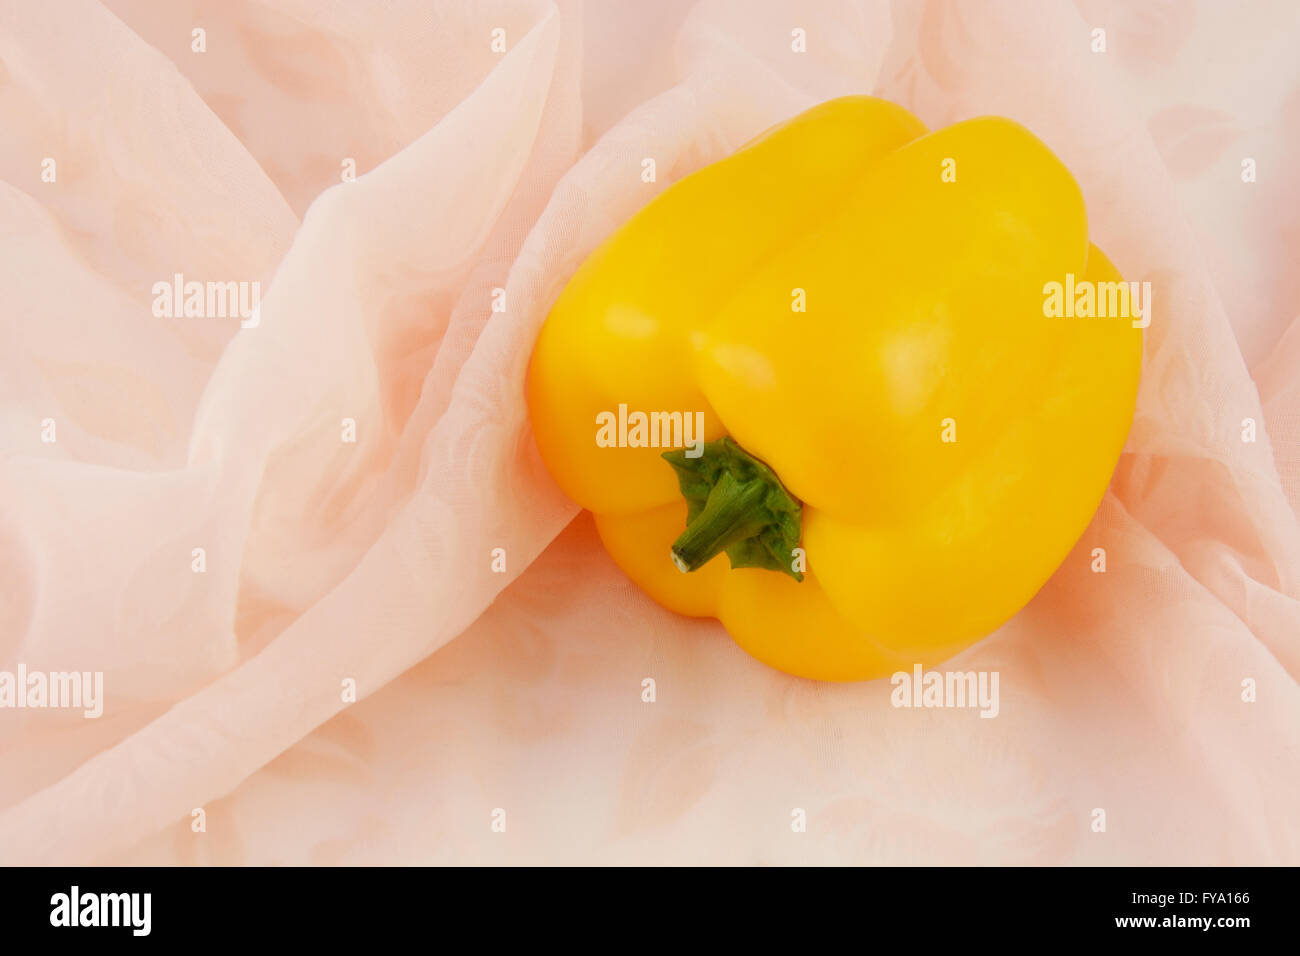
pixel 893 440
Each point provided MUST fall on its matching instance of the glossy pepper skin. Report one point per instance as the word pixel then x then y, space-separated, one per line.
pixel 924 320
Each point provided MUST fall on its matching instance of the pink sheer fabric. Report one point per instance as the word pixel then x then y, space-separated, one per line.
pixel 484 176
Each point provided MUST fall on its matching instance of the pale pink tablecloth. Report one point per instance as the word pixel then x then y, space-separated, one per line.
pixel 329 561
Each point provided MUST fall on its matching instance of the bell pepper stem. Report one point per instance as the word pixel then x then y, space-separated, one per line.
pixel 736 504
pixel 735 510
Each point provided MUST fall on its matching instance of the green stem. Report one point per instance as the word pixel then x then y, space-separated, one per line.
pixel 734 511
pixel 736 504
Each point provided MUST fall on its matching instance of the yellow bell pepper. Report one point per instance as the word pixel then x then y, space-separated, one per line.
pixel 829 358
